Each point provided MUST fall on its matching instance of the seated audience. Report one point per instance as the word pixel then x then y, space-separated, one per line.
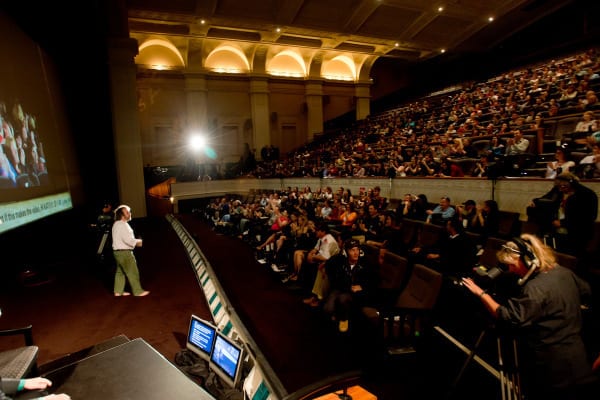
pixel 466 213
pixel 351 283
pixel 589 166
pixel 561 164
pixel 442 212
pixel 408 207
pixel 456 254
pixel 486 221
pixel 307 264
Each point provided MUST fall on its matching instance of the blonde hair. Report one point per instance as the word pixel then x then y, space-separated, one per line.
pixel 543 253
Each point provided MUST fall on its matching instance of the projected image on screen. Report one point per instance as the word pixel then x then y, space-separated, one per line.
pixel 37 167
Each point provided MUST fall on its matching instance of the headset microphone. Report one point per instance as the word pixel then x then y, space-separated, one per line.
pixel 528 257
pixel 524 279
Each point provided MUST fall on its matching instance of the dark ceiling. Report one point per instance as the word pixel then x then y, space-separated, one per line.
pixel 413 30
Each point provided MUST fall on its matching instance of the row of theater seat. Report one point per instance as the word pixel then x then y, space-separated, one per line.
pixel 404 317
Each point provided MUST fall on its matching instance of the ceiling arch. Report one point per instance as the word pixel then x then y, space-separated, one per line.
pixel 159 54
pixel 287 63
pixel 227 58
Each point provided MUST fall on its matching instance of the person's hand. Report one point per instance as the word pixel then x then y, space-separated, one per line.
pixel 37 383
pixel 556 223
pixel 356 288
pixel 472 286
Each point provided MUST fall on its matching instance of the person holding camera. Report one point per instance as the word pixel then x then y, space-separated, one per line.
pixel 545 310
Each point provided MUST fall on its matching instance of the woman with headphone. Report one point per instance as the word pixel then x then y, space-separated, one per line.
pixel 546 312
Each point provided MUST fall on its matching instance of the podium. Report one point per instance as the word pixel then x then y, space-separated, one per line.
pixel 133 370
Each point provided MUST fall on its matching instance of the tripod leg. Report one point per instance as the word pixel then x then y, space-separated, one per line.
pixel 102 243
pixel 517 376
pixel 466 363
pixel 505 394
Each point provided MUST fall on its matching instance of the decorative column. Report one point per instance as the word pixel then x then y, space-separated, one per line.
pixel 196 93
pixel 314 106
pixel 363 100
pixel 126 125
pixel 259 102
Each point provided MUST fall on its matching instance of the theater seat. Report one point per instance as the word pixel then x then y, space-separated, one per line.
pixel 402 327
pixel 20 362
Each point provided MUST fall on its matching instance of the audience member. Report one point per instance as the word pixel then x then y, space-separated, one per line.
pixel 408 207
pixel 455 254
pixel 421 204
pixel 486 221
pixel 370 225
pixel 585 127
pixel 306 265
pixel 516 148
pixel 576 214
pixel 590 164
pixel 561 164
pixel 517 144
pixel 320 286
pixel 351 283
pixel 466 213
pixel 348 217
pixel 442 212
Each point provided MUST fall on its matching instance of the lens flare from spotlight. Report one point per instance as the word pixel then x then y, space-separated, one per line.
pixel 198 143
pixel 210 152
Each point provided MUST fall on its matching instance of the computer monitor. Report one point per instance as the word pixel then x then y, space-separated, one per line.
pixel 201 337
pixel 226 360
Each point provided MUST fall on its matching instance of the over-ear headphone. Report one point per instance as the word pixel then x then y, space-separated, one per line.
pixel 529 258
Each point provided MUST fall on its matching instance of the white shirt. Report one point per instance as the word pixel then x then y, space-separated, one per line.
pixel 327 246
pixel 122 236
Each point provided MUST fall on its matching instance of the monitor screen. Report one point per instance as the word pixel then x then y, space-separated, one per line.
pixel 226 360
pixel 201 337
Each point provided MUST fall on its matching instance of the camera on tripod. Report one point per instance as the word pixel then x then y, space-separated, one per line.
pixel 103 225
pixel 487 275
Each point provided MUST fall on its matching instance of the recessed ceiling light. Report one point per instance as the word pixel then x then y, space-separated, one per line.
pixel 440 9
pixel 490 19
pixel 396 44
pixel 442 50
pixel 202 21
pixel 277 30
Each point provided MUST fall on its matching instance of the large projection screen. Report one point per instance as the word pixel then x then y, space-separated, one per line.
pixel 38 168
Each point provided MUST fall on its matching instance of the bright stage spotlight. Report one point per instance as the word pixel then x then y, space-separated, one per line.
pixel 199 143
